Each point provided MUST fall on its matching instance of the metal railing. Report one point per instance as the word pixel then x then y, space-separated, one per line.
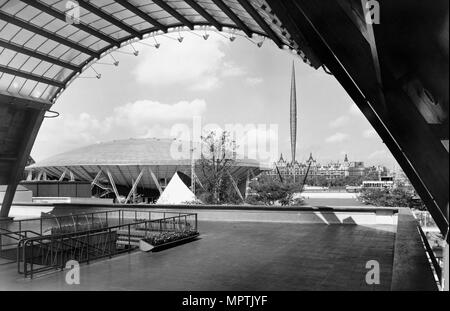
pixel 47 222
pixel 51 252
pixel 425 219
pixel 43 225
pixel 436 266
pixel 14 236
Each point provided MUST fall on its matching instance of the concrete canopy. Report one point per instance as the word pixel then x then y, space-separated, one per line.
pixel 396 71
pixel 45 44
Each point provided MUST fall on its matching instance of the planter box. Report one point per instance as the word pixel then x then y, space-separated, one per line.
pixel 146 247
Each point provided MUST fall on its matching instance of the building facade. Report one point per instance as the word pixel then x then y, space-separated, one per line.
pixel 332 170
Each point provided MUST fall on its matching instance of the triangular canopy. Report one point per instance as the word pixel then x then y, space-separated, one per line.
pixel 176 192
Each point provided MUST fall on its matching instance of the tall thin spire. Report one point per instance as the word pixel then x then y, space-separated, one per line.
pixel 293 114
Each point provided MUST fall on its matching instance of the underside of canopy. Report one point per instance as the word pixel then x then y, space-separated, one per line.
pixel 45 44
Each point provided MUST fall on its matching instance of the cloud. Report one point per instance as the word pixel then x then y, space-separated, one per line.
pixel 231 70
pixel 337 138
pixel 354 110
pixel 370 133
pixel 340 121
pixel 143 112
pixel 378 154
pixel 65 133
pixel 140 119
pixel 259 142
pixel 156 131
pixel 195 64
pixel 208 83
pixel 254 81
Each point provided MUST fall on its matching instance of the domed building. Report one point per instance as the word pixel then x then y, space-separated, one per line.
pixel 142 166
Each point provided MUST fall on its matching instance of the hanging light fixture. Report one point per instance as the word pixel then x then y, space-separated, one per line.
pixel 135 52
pixel 258 44
pixel 115 61
pixel 156 46
pixel 231 38
pixel 97 75
pixel 180 38
pixel 206 35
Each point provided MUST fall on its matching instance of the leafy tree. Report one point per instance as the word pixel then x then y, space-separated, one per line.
pixel 269 191
pixel 217 159
pixel 322 181
pixel 397 197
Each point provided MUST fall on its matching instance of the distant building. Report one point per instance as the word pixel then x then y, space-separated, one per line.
pixel 122 169
pixel 356 169
pixel 332 170
pixel 401 180
pixel 375 172
pixel 385 182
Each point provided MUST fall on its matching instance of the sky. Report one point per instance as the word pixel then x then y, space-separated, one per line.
pixel 168 92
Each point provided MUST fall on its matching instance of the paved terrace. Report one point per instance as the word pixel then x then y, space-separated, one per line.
pixel 248 255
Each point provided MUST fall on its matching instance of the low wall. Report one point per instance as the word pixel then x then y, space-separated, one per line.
pixel 316 215
pixel 24 196
pixel 24 211
pixel 72 200
pixel 329 216
pixel 328 195
pixel 411 268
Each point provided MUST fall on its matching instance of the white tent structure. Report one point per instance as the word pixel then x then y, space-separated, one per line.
pixel 176 192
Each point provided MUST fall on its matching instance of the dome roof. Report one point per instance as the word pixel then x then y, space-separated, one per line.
pixel 125 159
pixel 149 151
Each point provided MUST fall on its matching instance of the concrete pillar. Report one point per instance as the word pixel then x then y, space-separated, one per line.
pixel 30 175
pixel 32 116
pixel 445 275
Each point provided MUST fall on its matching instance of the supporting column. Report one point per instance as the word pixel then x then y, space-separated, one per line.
pixel 445 274
pixel 155 180
pixel 113 184
pixel 247 184
pixel 445 269
pixel 31 115
pixel 135 184
pixel 94 181
pixel 61 178
pixel 30 175
pixel 233 182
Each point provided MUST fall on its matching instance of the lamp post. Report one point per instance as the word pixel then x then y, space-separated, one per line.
pixel 192 171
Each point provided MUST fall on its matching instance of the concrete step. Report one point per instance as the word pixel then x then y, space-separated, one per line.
pixel 132 242
pixel 135 233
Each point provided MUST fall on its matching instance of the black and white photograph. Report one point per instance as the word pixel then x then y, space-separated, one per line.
pixel 224 151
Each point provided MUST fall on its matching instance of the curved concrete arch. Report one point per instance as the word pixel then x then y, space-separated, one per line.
pixel 396 71
pixel 83 33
